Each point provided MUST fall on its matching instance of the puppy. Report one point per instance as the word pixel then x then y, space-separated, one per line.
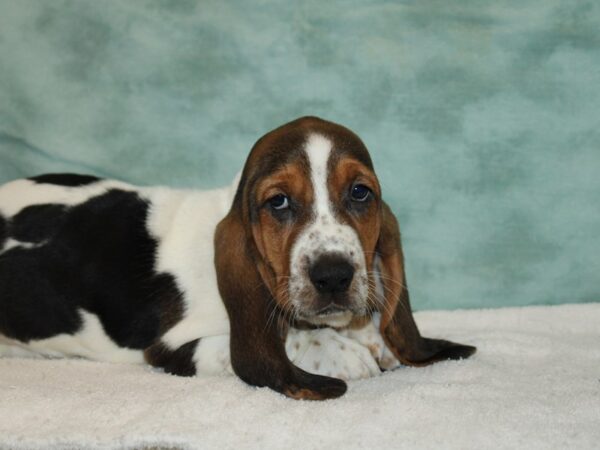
pixel 301 251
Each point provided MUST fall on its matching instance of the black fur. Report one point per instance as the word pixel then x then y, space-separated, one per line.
pixel 65 179
pixel 97 256
pixel 37 223
pixel 177 362
pixel 3 231
pixel 33 301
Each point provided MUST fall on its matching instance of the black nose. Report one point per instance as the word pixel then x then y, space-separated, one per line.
pixel 331 274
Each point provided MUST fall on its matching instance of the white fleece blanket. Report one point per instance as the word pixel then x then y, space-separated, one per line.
pixel 535 383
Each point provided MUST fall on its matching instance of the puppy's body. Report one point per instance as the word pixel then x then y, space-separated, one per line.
pixel 217 280
pixel 109 271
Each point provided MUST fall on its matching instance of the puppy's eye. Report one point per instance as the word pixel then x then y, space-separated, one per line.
pixel 279 202
pixel 360 193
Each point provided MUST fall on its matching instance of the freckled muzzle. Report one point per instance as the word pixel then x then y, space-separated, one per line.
pixel 332 295
pixel 328 276
pixel 328 283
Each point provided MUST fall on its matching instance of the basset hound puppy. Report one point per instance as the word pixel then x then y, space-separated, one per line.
pixel 292 277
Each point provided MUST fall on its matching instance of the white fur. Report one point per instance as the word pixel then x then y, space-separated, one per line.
pixel 325 351
pixel 370 337
pixel 19 194
pixel 89 342
pixel 212 356
pixel 184 223
pixel 318 151
pixel 324 234
pixel 13 243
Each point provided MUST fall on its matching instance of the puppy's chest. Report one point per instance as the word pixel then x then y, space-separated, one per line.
pixel 184 229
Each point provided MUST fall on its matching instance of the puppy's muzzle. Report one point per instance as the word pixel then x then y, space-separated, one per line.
pixel 331 275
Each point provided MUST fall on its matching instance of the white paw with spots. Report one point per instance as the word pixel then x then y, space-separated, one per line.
pixel 326 352
pixel 370 337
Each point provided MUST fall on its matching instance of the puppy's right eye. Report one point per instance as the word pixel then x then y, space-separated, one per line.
pixel 360 193
pixel 279 202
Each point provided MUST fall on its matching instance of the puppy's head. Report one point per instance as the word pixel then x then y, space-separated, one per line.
pixel 312 207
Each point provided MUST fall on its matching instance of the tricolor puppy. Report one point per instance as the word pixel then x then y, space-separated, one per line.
pixel 296 267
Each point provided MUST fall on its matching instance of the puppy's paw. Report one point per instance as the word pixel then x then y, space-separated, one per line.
pixel 370 337
pixel 326 352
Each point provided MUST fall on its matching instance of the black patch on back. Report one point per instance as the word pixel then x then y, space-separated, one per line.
pixel 65 179
pixel 33 305
pixel 100 258
pixel 37 223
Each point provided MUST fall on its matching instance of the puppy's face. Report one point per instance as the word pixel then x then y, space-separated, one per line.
pixel 314 206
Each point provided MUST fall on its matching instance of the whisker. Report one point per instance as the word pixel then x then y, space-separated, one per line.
pixel 386 278
pixel 400 303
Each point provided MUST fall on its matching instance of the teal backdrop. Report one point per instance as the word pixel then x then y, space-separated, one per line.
pixel 483 117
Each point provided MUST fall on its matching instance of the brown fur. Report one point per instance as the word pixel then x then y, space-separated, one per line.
pixel 274 239
pixel 252 259
pixel 398 326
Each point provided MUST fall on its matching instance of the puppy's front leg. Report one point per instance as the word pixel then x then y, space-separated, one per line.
pixel 333 353
pixel 259 358
pixel 257 350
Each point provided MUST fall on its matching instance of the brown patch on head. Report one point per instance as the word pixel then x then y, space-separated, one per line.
pixel 286 144
pixel 274 234
pixel 272 151
pixel 345 173
pixel 278 166
pixel 350 166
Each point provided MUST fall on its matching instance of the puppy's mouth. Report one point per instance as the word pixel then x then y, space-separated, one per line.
pixel 331 309
pixel 331 315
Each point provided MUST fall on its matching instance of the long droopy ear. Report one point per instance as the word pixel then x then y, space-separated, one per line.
pixel 257 349
pixel 398 327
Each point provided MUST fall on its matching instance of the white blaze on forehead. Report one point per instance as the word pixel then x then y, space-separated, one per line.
pixel 324 233
pixel 318 150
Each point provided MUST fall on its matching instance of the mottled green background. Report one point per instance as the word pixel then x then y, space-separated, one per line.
pixel 483 117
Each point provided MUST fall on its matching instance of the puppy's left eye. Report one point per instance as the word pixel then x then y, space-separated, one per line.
pixel 360 193
pixel 279 202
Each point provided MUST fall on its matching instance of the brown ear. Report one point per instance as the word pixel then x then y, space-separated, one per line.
pixel 257 349
pixel 398 326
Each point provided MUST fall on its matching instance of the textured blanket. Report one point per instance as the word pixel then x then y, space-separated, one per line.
pixel 535 383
